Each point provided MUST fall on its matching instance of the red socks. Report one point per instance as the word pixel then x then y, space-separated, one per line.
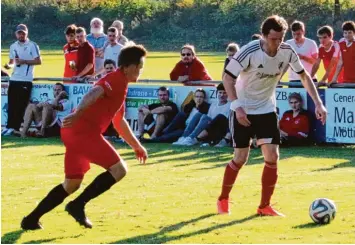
pixel 230 175
pixel 268 182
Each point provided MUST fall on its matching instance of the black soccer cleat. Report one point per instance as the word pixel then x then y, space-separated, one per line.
pixel 78 214
pixel 29 224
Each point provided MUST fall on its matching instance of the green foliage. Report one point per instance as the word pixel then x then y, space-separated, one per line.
pixel 168 24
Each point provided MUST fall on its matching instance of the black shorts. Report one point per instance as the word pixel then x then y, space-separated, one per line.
pixel 264 126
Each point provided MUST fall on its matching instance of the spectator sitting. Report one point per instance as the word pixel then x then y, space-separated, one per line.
pixel 97 38
pixel 176 128
pixel 48 116
pixel 156 116
pixel 231 50
pixel 86 55
pixel 215 120
pixel 189 68
pixel 70 50
pixel 295 123
pixel 121 39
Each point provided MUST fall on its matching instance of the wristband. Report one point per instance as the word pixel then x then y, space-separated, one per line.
pixel 235 104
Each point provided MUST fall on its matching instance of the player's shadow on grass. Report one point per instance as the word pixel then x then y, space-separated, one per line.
pixel 15 142
pixel 163 235
pixel 11 237
pixel 307 226
pixel 350 164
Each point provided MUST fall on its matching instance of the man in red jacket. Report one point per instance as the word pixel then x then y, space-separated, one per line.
pixel 190 68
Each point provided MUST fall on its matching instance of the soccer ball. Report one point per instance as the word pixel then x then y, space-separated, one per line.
pixel 322 211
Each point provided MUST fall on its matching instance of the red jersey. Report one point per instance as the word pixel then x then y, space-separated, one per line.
pixel 293 125
pixel 327 55
pixel 99 115
pixel 348 56
pixel 196 71
pixel 70 54
pixel 86 55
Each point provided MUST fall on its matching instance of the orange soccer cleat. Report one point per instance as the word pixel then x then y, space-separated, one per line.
pixel 223 206
pixel 269 211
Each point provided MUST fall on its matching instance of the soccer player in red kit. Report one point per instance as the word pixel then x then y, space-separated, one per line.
pixel 250 81
pixel 329 52
pixel 82 136
pixel 347 51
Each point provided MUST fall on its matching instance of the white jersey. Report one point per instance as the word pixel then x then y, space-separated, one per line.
pixel 258 74
pixel 308 48
pixel 216 109
pixel 26 51
pixel 112 52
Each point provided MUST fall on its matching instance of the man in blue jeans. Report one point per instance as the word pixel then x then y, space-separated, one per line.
pixel 217 116
pixel 197 106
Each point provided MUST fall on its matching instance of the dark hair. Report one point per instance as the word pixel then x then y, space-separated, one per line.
pixel 256 36
pixel 163 89
pixel 275 23
pixel 220 87
pixel 71 29
pixel 190 47
pixel 325 30
pixel 297 25
pixel 348 26
pixel 131 55
pixel 232 47
pixel 200 90
pixel 296 96
pixel 80 30
pixel 112 29
pixel 109 62
pixel 60 84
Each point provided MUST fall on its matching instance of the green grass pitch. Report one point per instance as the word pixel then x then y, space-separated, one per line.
pixel 172 199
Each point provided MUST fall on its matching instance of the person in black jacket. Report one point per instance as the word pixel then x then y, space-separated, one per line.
pixel 176 128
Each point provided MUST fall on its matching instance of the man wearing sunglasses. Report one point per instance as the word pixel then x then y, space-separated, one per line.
pixel 189 68
pixel 329 52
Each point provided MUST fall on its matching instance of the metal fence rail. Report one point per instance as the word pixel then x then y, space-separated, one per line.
pixel 194 83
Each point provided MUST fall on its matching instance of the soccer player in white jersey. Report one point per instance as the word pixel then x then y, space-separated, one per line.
pixel 250 80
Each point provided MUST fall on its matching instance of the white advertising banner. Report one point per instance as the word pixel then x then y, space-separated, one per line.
pixel 340 126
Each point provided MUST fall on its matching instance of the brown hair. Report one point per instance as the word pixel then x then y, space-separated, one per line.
pixel 80 30
pixel 200 90
pixel 112 29
pixel 296 96
pixel 297 25
pixel 325 30
pixel 348 26
pixel 131 55
pixel 70 29
pixel 275 23
pixel 256 36
pixel 232 47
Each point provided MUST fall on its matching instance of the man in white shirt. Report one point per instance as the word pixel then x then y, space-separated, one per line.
pixel 48 116
pixel 305 48
pixel 250 80
pixel 112 50
pixel 24 55
pixel 217 116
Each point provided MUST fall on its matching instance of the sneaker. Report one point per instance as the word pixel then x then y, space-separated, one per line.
pixel 223 206
pixel 78 214
pixel 269 211
pixel 179 141
pixel 222 143
pixel 4 131
pixel 9 132
pixel 189 141
pixel 28 224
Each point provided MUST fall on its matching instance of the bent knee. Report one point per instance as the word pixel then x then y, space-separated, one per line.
pixel 119 169
pixel 71 185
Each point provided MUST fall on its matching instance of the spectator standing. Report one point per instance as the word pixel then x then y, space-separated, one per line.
pixel 70 50
pixel 295 123
pixel 86 55
pixel 97 38
pixel 112 50
pixel 156 116
pixel 256 36
pixel 48 116
pixel 231 50
pixel 121 39
pixel 329 52
pixel 347 51
pixel 189 68
pixel 305 48
pixel 24 55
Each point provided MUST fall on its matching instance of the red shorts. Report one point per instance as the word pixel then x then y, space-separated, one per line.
pixel 84 148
